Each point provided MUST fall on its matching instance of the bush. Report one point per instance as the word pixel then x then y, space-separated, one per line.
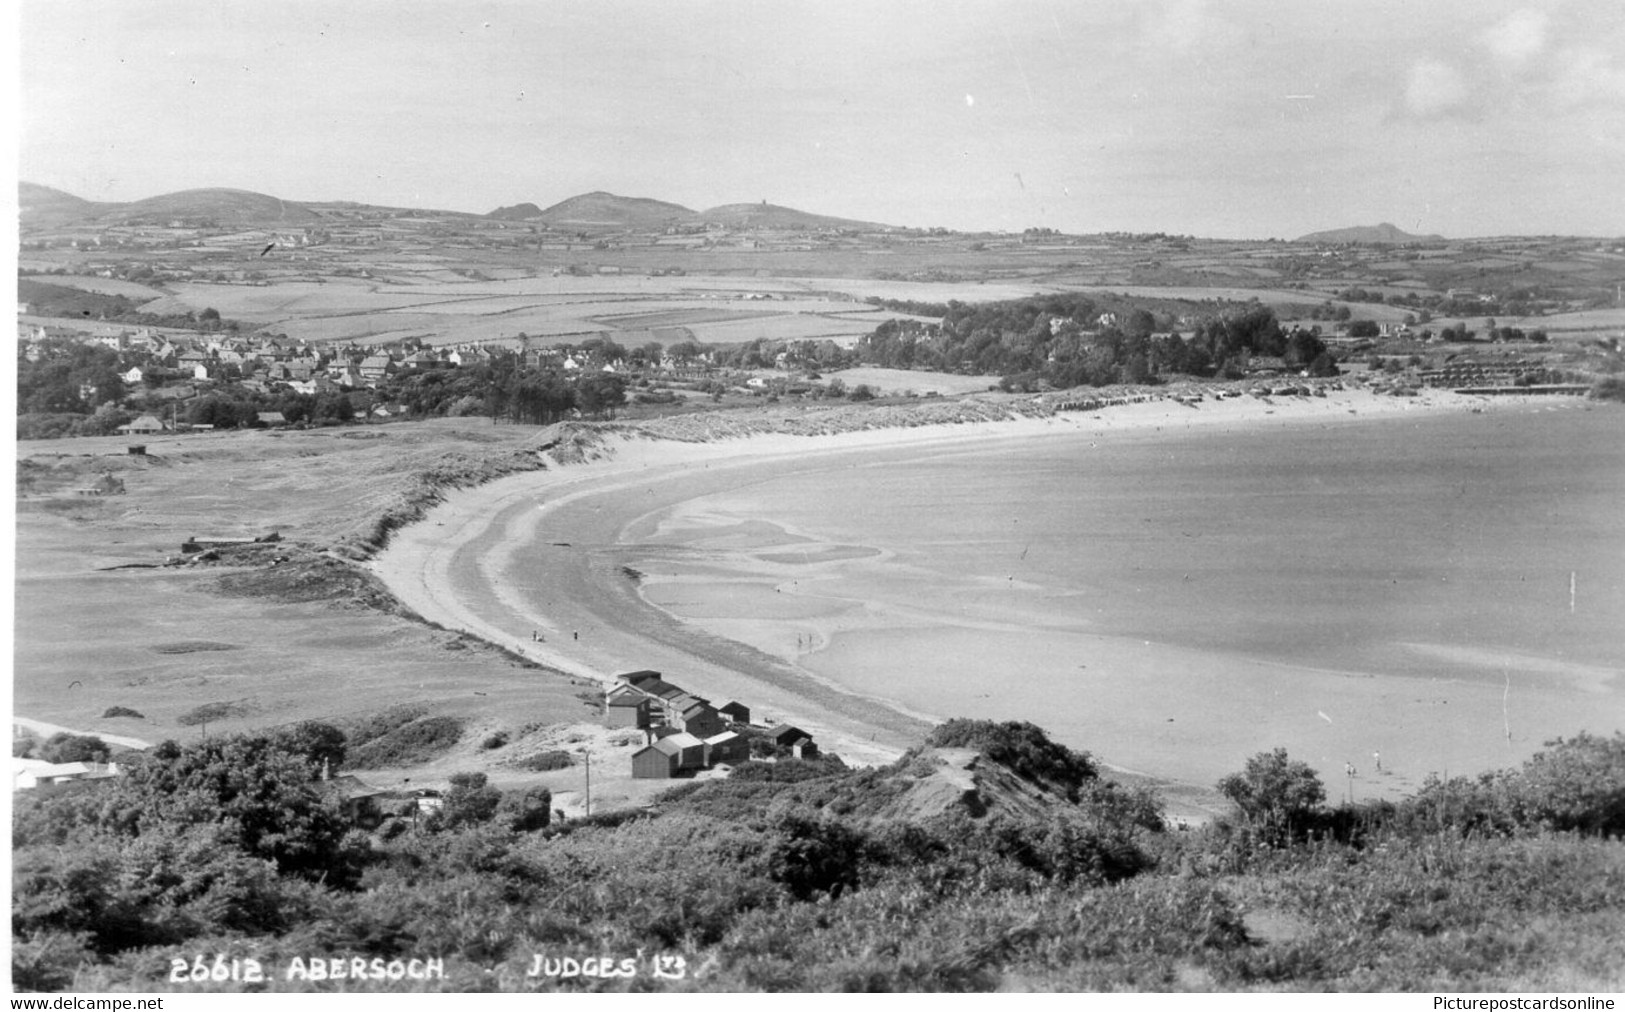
pixel 1276 794
pixel 529 811
pixel 322 746
pixel 213 711
pixel 546 761
pixel 1021 746
pixel 418 741
pixel 788 771
pixel 1578 784
pixel 1575 785
pixel 122 711
pixel 1609 388
pixel 469 802
pixel 63 747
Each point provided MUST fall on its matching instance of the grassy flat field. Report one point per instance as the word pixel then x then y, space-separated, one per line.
pixel 164 641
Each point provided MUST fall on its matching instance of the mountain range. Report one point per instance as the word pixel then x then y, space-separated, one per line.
pixel 45 207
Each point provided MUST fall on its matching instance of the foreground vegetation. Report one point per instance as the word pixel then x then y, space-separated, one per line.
pixel 807 875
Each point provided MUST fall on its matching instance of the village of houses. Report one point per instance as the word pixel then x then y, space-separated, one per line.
pixel 181 365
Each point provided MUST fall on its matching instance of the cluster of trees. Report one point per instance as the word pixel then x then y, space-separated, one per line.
pixel 1327 311
pixel 1460 333
pixel 69 376
pixel 1514 302
pixel 541 398
pixel 1060 342
pixel 230 837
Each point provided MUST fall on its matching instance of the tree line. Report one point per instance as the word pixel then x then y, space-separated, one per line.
pixel 1065 341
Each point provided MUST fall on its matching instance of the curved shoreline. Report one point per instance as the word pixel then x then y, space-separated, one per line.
pixel 463 564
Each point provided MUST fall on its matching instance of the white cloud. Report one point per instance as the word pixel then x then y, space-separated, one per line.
pixel 1187 28
pixel 1519 37
pixel 1589 77
pixel 1434 88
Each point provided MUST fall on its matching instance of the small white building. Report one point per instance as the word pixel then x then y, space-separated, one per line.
pixel 26 774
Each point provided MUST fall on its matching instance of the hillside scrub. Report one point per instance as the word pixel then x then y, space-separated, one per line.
pixel 402 736
pixel 814 880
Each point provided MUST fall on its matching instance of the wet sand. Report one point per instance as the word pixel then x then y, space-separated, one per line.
pixel 541 563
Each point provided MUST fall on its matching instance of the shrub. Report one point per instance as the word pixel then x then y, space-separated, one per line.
pixel 1577 784
pixel 263 794
pixel 1021 746
pixel 1275 793
pixel 789 770
pixel 529 811
pixel 63 747
pixel 469 802
pixel 545 761
pixel 415 742
pixel 321 745
pixel 122 711
pixel 1609 388
pixel 385 721
pixel 213 711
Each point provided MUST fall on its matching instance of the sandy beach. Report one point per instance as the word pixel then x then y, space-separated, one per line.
pixel 540 563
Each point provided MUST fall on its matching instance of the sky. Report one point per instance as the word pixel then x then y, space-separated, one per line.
pixel 1245 120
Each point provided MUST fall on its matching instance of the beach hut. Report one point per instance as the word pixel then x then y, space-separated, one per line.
pixel 657 761
pixel 727 747
pixel 690 750
pixel 786 735
pixel 628 710
pixel 702 720
pixel 669 756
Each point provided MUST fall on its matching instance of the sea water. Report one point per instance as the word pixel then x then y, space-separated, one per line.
pixel 1176 601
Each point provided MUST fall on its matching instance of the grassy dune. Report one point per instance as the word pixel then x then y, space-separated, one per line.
pixel 310 637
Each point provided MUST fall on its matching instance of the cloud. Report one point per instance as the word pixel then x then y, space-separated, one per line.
pixel 1589 77
pixel 1517 38
pixel 1434 88
pixel 1187 28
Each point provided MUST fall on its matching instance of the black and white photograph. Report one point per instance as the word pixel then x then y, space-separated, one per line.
pixel 739 496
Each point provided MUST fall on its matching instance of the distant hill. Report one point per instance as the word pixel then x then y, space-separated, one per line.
pixel 599 209
pixel 236 207
pixel 772 216
pixel 1369 233
pixel 516 212
pixel 42 206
